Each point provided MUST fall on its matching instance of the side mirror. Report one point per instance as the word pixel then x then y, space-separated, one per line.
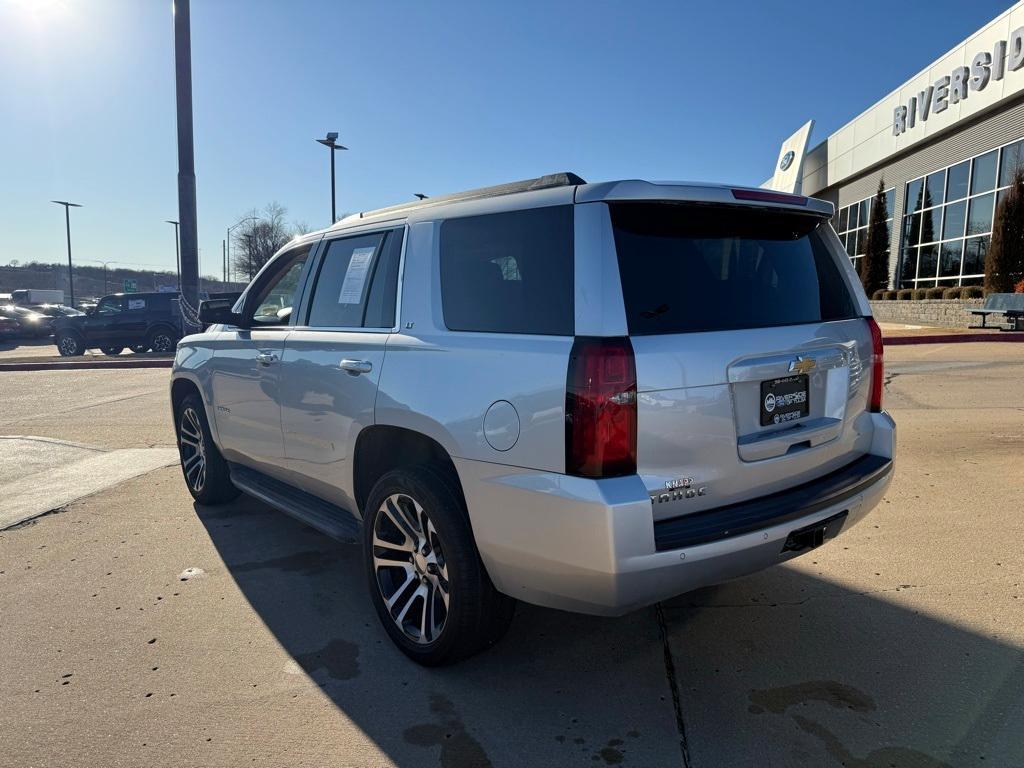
pixel 218 311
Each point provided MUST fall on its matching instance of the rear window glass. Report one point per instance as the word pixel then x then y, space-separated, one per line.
pixel 509 272
pixel 701 268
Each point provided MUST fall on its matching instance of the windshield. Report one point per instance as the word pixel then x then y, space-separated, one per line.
pixel 690 267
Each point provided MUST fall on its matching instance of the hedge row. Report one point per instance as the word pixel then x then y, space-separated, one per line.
pixel 917 294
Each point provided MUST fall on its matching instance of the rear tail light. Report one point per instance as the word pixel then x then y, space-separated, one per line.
pixel 600 408
pixel 762 196
pixel 877 367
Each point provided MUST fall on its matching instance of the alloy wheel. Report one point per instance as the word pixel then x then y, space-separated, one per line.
pixel 193 450
pixel 411 570
pixel 68 346
pixel 162 343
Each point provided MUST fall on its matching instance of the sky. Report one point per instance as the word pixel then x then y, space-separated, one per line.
pixel 430 97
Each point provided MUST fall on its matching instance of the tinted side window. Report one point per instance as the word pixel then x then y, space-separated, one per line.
pixel 273 303
pixel 339 295
pixel 110 306
pixel 509 272
pixel 380 304
pixel 712 268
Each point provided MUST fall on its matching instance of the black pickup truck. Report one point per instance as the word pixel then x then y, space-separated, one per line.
pixel 139 321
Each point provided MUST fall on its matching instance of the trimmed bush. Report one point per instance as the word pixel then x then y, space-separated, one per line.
pixel 951 293
pixel 877 295
pixel 889 295
pixel 919 294
pixel 904 294
pixel 972 292
pixel 934 293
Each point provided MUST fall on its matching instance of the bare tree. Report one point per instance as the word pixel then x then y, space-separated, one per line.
pixel 256 240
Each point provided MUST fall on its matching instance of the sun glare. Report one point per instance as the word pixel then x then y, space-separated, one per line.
pixel 39 10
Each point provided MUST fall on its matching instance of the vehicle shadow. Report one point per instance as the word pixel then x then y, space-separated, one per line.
pixel 814 675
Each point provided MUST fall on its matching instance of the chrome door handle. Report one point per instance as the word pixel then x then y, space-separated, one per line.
pixel 355 367
pixel 266 358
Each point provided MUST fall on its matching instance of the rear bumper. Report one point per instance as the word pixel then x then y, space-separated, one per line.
pixel 591 545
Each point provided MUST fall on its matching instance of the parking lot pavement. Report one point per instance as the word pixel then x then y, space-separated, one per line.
pixel 139 629
pixel 110 409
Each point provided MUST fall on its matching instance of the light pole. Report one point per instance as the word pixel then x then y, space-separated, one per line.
pixel 230 230
pixel 331 143
pixel 67 224
pixel 419 195
pixel 177 251
pixel 104 263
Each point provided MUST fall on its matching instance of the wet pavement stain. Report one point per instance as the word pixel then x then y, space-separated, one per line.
pixel 886 757
pixel 838 695
pixel 339 659
pixel 458 748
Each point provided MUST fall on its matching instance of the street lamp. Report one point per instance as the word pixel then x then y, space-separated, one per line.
pixel 419 196
pixel 67 224
pixel 230 229
pixel 177 251
pixel 104 263
pixel 331 143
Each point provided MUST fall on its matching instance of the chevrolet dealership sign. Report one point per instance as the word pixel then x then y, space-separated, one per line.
pixel 955 87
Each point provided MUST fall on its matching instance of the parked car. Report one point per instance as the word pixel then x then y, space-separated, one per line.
pixel 9 327
pixel 589 397
pixel 30 324
pixel 55 310
pixel 140 321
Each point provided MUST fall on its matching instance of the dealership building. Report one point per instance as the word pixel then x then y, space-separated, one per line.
pixel 945 144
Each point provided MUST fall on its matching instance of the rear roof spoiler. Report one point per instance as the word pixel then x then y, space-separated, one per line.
pixel 636 190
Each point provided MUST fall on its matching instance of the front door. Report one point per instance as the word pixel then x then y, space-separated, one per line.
pixel 247 368
pixel 102 323
pixel 333 359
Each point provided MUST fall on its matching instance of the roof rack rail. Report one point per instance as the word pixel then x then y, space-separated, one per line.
pixel 549 181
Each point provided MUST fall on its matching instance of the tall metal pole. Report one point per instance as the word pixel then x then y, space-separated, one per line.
pixel 224 259
pixel 189 248
pixel 71 276
pixel 67 226
pixel 334 213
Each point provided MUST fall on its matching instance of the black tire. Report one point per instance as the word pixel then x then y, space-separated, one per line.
pixel 139 349
pixel 70 344
pixel 162 341
pixel 204 469
pixel 476 615
pixel 112 351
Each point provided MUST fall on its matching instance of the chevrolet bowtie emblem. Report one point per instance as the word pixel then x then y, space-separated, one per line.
pixel 803 365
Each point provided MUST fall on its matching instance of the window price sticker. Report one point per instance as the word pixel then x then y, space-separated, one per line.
pixel 355 276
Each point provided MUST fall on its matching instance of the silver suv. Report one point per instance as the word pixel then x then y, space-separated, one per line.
pixel 585 396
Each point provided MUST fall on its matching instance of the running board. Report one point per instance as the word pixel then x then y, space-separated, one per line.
pixel 325 517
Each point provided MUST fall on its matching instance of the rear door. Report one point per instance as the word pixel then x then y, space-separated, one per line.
pixel 333 358
pixel 752 358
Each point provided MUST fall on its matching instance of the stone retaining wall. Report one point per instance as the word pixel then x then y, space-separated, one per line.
pixel 946 313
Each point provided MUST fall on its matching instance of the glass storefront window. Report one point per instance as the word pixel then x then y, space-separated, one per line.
pixel 953 208
pixel 852 224
pixel 934 189
pixel 930 225
pixel 983 177
pixel 927 263
pixel 953 224
pixel 1011 157
pixel 913 201
pixel 979 219
pixel 956 183
pixel 949 258
pixel 974 255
